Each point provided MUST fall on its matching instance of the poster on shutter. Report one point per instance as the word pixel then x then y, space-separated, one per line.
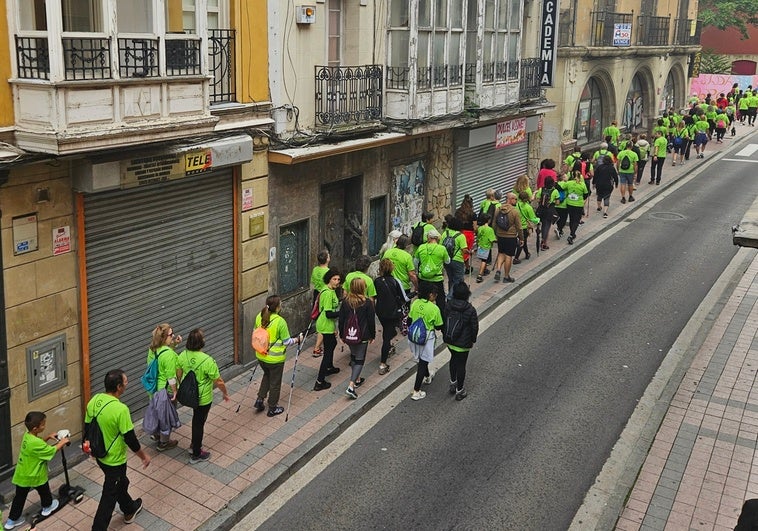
pixel 510 132
pixel 61 240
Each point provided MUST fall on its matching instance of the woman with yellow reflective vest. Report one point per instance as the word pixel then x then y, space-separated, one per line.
pixel 272 362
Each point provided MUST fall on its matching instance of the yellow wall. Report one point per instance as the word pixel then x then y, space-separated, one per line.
pixel 249 18
pixel 6 95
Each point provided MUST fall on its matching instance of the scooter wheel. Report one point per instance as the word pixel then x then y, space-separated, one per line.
pixel 78 498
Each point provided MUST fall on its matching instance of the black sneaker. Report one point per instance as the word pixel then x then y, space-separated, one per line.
pixel 497 276
pixel 258 406
pixel 351 393
pixel 453 387
pixel 631 198
pixel 332 370
pixel 204 456
pixel 274 411
pixel 516 261
pixel 570 240
pixel 623 200
pixel 320 386
pixel 508 279
pixel 129 518
pixel 460 395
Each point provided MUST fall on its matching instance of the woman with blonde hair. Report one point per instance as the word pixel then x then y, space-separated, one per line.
pixel 522 185
pixel 357 328
pixel 161 416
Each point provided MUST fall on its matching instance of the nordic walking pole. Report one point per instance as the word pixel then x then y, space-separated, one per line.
pixel 294 368
pixel 244 395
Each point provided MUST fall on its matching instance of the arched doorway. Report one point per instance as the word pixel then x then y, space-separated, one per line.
pixel 668 94
pixel 588 125
pixel 632 118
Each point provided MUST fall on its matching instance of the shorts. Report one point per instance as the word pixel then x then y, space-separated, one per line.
pixel 487 260
pixel 507 246
pixel 604 196
pixel 626 178
pixel 679 149
pixel 701 139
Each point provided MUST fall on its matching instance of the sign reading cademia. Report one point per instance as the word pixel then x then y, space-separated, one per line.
pixel 548 43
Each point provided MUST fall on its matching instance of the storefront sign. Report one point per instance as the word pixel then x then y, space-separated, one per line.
pixel 25 234
pixel 622 34
pixel 151 169
pixel 548 50
pixel 61 240
pixel 198 161
pixel 510 132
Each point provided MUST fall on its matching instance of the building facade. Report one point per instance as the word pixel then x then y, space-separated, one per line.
pixel 618 60
pixel 133 191
pixel 384 110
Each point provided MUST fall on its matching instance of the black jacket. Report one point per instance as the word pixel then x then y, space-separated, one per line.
pixel 389 297
pixel 366 319
pixel 605 178
pixel 466 337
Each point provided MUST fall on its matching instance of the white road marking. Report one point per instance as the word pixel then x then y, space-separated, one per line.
pixel 747 151
pixel 741 160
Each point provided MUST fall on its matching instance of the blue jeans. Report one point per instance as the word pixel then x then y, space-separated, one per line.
pixel 455 273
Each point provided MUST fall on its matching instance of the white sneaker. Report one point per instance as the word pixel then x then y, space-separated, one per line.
pixel 428 379
pixel 10 524
pixel 418 395
pixel 47 511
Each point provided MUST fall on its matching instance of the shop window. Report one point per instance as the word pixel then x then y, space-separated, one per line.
pixel 293 257
pixel 633 107
pixel 589 116
pixel 377 225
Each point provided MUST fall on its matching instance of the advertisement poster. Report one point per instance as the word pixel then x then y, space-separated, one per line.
pixel 61 240
pixel 510 132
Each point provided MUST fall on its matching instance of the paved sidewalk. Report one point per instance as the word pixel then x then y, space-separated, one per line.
pixel 252 454
pixel 702 464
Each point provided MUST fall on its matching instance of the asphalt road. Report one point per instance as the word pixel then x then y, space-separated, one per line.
pixel 551 385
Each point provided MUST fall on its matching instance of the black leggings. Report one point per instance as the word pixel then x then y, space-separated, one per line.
pixel 575 214
pixel 562 217
pixel 524 237
pixel 327 360
pixel 389 331
pixel 422 371
pixel 199 416
pixel 458 367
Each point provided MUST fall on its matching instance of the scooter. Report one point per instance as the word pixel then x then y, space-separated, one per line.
pixel 66 492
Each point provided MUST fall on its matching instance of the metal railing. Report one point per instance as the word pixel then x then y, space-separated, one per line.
pixel 653 31
pixel 603 26
pixel 137 57
pixel 687 32
pixel 398 77
pixel 348 95
pixel 87 57
pixel 221 52
pixel 32 57
pixel 529 87
pixel 183 57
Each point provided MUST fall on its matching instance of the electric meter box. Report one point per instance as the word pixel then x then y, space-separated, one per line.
pixel 306 15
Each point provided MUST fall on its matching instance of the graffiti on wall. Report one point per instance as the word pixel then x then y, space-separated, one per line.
pixel 408 183
pixel 715 84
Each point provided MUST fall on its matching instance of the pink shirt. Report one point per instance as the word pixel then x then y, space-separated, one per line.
pixel 543 174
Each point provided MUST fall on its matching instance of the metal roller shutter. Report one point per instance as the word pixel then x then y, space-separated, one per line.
pixel 158 254
pixel 482 167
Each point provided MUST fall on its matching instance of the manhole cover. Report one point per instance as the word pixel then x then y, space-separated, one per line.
pixel 667 216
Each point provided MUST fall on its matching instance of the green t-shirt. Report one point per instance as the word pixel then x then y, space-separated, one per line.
pixel 613 132
pixel 327 301
pixel 486 205
pixel 370 288
pixel 428 311
pixel 660 146
pixel 752 101
pixel 574 192
pixel 317 277
pixel 114 420
pixel 206 372
pixel 460 243
pixel 632 156
pixel 31 468
pixel 485 237
pixel 743 104
pixel 431 257
pixel 403 264
pixel 166 365
pixel 701 126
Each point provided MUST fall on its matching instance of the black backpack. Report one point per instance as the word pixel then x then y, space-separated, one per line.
pixel 417 234
pixel 490 212
pixel 188 393
pixel 503 221
pixel 449 243
pixel 95 436
pixel 454 325
pixel 626 163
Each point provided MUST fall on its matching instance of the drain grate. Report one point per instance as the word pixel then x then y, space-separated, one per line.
pixel 667 216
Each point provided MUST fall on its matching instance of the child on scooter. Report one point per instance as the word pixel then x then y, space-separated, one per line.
pixel 31 469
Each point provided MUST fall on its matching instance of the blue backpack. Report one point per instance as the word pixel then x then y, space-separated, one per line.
pixel 417 332
pixel 150 378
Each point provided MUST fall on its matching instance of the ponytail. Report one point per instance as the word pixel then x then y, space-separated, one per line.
pixel 272 303
pixel 160 334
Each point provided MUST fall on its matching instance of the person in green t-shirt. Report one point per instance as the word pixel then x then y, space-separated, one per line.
pixel 485 237
pixel 701 135
pixel 528 221
pixel 115 422
pixel 613 132
pixel 405 269
pixel 317 281
pixel 660 144
pixel 362 263
pixel 424 308
pixel 455 269
pixel 161 416
pixel 430 258
pixel 326 325
pixel 627 171
pixel 208 376
pixel 31 468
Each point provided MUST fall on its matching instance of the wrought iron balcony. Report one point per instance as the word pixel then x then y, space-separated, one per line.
pixel 530 79
pixel 653 31
pixel 87 57
pixel 221 63
pixel 348 95
pixel 687 32
pixel 138 57
pixel 32 57
pixel 603 23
